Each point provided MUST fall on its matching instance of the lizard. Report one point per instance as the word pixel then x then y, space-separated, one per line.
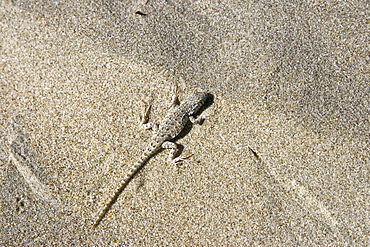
pixel 174 122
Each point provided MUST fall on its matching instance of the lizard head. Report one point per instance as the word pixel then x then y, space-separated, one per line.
pixel 195 101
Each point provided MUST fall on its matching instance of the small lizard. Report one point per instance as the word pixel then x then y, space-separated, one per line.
pixel 168 129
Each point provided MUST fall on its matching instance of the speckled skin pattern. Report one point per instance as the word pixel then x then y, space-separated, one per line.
pixel 169 128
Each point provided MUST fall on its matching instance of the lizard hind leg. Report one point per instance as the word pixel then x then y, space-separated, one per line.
pixel 144 122
pixel 175 101
pixel 198 120
pixel 174 152
pixel 175 98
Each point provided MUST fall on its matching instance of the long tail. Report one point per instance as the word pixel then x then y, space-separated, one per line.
pixel 134 170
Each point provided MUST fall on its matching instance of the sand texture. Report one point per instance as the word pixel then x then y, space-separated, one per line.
pixel 281 159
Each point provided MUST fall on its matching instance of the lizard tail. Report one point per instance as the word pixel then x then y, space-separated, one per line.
pixel 134 170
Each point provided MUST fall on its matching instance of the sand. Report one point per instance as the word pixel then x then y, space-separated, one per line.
pixel 281 159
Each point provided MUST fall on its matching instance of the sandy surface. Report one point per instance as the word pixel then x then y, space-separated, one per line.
pixel 282 158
